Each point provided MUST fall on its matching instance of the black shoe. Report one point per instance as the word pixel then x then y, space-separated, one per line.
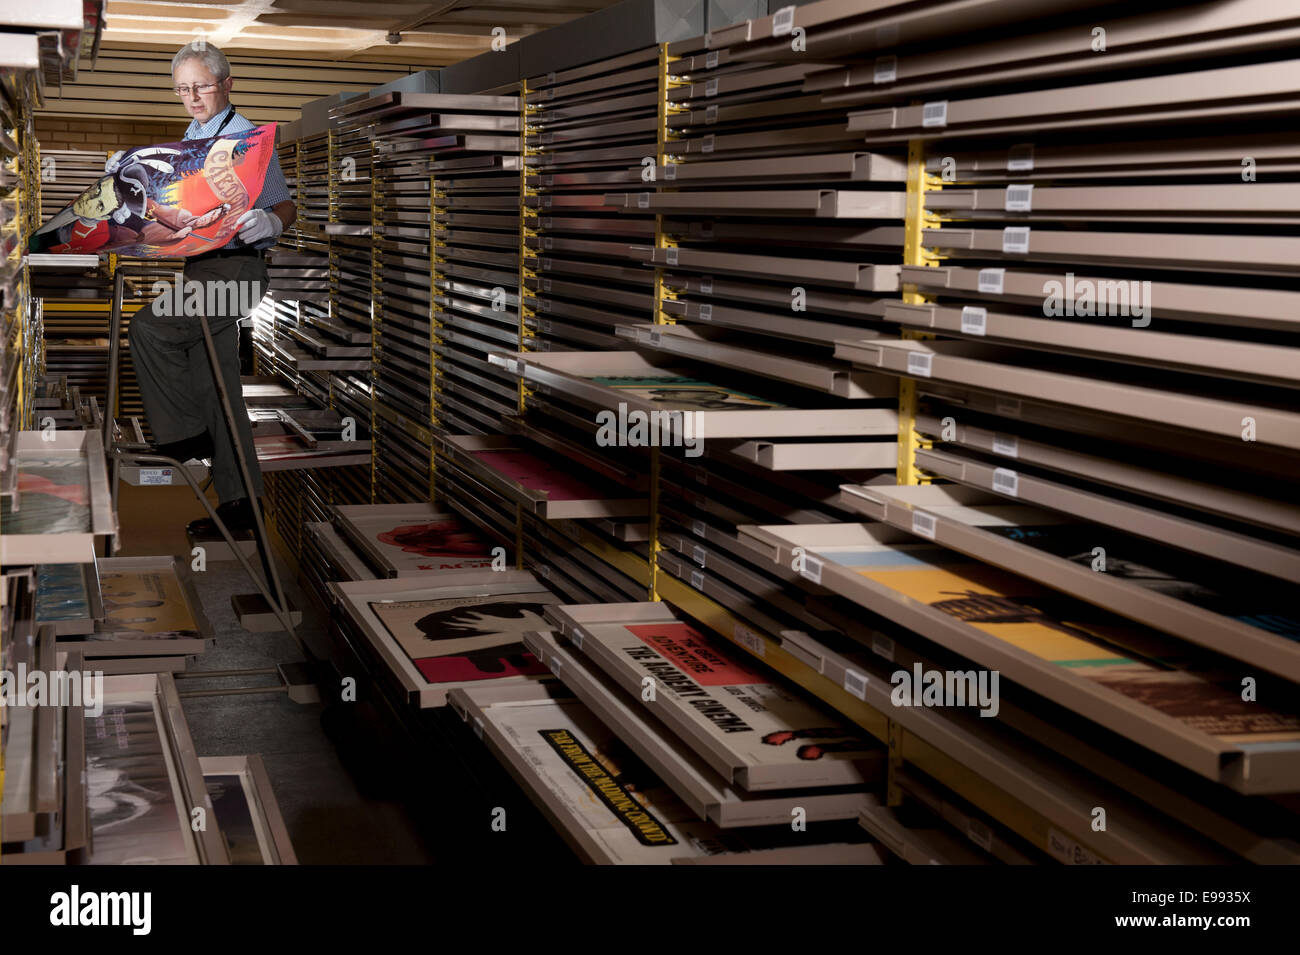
pixel 237 515
pixel 195 447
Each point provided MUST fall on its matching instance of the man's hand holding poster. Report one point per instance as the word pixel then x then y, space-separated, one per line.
pixel 166 201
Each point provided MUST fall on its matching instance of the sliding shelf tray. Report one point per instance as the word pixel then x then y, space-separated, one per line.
pixel 1039 545
pixel 692 779
pixel 752 730
pixel 244 803
pixel 606 380
pixel 63 501
pixel 67 598
pixel 538 483
pixel 1003 370
pixel 1053 646
pixel 1256 554
pixel 458 629
pixel 150 609
pixel 411 540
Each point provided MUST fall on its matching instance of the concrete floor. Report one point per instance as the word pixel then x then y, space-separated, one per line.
pixel 354 785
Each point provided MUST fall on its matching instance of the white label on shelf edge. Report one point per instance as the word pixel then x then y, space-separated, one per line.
pixel 885 70
pixel 671 255
pixel 855 683
pixel 670 171
pixel 882 646
pixel 557 665
pixel 974 320
pixel 1015 240
pixel 918 364
pixel 577 637
pixel 700 555
pixel 711 115
pixel 1006 481
pixel 812 568
pixel 980 834
pixel 643 200
pixel 546 285
pixel 923 524
pixel 706 285
pixel 1020 198
pixel 1007 444
pixel 697 580
pixel 1070 852
pixel 1007 406
pixel 478 727
pixel 1020 158
pixel 707 145
pixel 934 114
pixel 750 640
pixel 656 337
pixel 152 476
pixel 706 313
pixel 783 21
pixel 698 528
pixel 711 88
pixel 992 280
pixel 711 60
pixel 544 570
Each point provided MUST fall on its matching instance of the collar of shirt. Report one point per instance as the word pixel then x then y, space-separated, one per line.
pixel 199 130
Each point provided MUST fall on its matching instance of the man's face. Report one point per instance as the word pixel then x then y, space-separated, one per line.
pixel 98 203
pixel 202 106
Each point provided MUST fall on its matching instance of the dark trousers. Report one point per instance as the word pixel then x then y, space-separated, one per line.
pixel 171 362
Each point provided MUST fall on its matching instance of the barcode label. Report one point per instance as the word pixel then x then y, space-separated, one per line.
pixel 855 683
pixel 671 255
pixel 1020 158
pixel 980 834
pixel 547 242
pixel 699 554
pixel 1008 406
pixel 812 568
pixel 577 637
pixel 546 200
pixel 557 666
pixel 711 88
pixel 670 172
pixel 885 70
pixel 992 280
pixel 711 60
pixel 707 145
pixel 918 364
pixel 1020 198
pixel 711 114
pixel 1007 444
pixel 706 313
pixel 544 570
pixel 546 285
pixel 923 524
pixel 643 200
pixel 698 528
pixel 545 325
pixel 1006 481
pixel 750 640
pixel 935 114
pixel 882 646
pixel 1069 851
pixel 974 320
pixel 706 285
pixel 783 21
pixel 1015 240
pixel 151 476
pixel 656 336
pixel 697 580
pixel 478 727
pixel 544 304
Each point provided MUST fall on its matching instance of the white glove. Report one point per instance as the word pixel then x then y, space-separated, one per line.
pixel 111 164
pixel 258 224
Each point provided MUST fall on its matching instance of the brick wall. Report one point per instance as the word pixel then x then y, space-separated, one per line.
pixel 104 136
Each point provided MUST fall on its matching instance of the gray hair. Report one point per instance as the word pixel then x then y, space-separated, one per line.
pixel 209 55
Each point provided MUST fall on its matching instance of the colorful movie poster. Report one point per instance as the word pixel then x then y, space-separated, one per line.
pixel 166 201
pixel 144 602
pixel 537 474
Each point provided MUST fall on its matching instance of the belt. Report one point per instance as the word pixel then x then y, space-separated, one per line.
pixel 226 253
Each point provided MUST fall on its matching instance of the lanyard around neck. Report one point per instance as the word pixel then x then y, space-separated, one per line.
pixel 230 114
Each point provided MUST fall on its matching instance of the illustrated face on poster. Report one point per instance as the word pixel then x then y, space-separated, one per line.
pixel 166 201
pixel 436 539
pixel 467 638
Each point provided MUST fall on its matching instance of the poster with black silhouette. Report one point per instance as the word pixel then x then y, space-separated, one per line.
pixel 467 639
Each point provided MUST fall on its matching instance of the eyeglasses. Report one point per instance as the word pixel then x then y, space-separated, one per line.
pixel 203 89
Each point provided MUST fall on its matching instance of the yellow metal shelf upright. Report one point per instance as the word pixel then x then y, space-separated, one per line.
pixel 528 228
pixel 919 182
pixel 376 315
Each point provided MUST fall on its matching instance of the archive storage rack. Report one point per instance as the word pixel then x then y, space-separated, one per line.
pixel 1016 312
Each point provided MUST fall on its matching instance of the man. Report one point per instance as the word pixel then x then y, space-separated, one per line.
pixel 171 362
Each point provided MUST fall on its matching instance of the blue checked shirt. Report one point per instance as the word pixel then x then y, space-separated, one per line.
pixel 274 188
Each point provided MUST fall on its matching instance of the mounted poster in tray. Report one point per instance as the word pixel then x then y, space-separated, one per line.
pixel 412 540
pixel 461 628
pixel 167 201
